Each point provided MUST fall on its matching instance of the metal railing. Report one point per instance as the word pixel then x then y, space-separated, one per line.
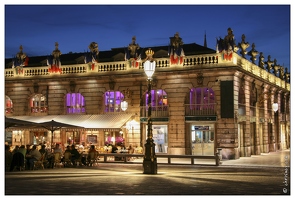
pixel 200 109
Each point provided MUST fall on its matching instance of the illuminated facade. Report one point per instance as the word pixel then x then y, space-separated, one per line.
pixel 202 99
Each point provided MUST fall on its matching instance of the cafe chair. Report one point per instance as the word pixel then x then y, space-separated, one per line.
pixel 39 163
pixel 93 158
pixel 57 160
pixel 67 159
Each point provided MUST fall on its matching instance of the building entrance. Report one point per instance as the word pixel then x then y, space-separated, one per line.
pixel 202 138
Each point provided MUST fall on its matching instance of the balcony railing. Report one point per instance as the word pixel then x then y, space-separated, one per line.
pixel 157 111
pixel 200 109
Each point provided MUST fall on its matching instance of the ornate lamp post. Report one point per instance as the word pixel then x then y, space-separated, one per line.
pixel 150 160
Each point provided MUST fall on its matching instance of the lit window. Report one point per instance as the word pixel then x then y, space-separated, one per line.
pixel 112 101
pixel 8 105
pixel 202 98
pixel 38 104
pixel 75 103
pixel 158 98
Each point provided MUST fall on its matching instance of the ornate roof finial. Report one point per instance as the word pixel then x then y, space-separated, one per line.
pixel 269 64
pixel 149 54
pixel 253 53
pixel 243 45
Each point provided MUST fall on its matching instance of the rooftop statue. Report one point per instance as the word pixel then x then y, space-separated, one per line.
pixel 227 45
pixel 20 60
pixel 133 47
pixel 287 75
pixel 261 59
pixel 243 45
pixel 92 57
pixel 133 54
pixel 175 50
pixel 282 73
pixel 53 61
pixel 269 64
pixel 276 68
pixel 253 53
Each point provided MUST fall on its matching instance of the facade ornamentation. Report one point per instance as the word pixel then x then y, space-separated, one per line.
pixel 243 45
pixel 20 61
pixel 227 45
pixel 132 54
pixel 269 64
pixel 53 61
pixel 253 53
pixel 287 75
pixel 175 50
pixel 261 59
pixel 276 67
pixel 200 78
pixel 92 57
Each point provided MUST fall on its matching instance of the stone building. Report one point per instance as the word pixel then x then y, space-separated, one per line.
pixel 202 99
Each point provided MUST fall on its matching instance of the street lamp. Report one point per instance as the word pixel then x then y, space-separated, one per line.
pixel 150 160
pixel 275 107
pixel 124 105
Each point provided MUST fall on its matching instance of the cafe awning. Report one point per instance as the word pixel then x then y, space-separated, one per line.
pixel 105 121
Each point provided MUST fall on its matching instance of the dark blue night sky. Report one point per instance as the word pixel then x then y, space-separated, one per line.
pixel 74 27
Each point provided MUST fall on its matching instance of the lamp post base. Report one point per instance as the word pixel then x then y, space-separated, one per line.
pixel 150 167
pixel 150 159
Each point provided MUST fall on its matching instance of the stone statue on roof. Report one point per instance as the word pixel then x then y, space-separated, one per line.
pixel 133 47
pixel 53 61
pixel 253 53
pixel 175 50
pixel 243 45
pixel 20 61
pixel 269 64
pixel 92 57
pixel 261 63
pixel 133 53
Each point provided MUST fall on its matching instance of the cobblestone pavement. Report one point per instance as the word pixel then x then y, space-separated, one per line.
pixel 128 179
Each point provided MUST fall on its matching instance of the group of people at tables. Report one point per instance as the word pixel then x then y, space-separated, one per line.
pixel 24 157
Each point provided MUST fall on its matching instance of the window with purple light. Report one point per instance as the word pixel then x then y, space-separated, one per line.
pixel 159 99
pixel 75 103
pixel 112 101
pixel 202 98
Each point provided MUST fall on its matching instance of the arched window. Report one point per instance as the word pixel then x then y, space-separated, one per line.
pixel 38 104
pixel 201 96
pixel 159 98
pixel 112 101
pixel 202 100
pixel 8 105
pixel 75 103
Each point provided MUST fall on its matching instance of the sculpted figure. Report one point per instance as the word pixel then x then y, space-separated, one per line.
pixel 269 64
pixel 175 50
pixel 243 45
pixel 253 53
pixel 261 63
pixel 133 47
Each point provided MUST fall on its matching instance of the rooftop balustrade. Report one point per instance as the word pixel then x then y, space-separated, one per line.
pixel 206 60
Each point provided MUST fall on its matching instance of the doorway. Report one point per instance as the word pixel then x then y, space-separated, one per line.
pixel 202 138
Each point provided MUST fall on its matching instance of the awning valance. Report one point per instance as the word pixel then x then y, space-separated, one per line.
pixel 105 121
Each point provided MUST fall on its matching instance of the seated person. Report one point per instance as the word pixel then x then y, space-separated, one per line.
pixel 114 149
pixel 75 154
pixel 92 149
pixel 130 149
